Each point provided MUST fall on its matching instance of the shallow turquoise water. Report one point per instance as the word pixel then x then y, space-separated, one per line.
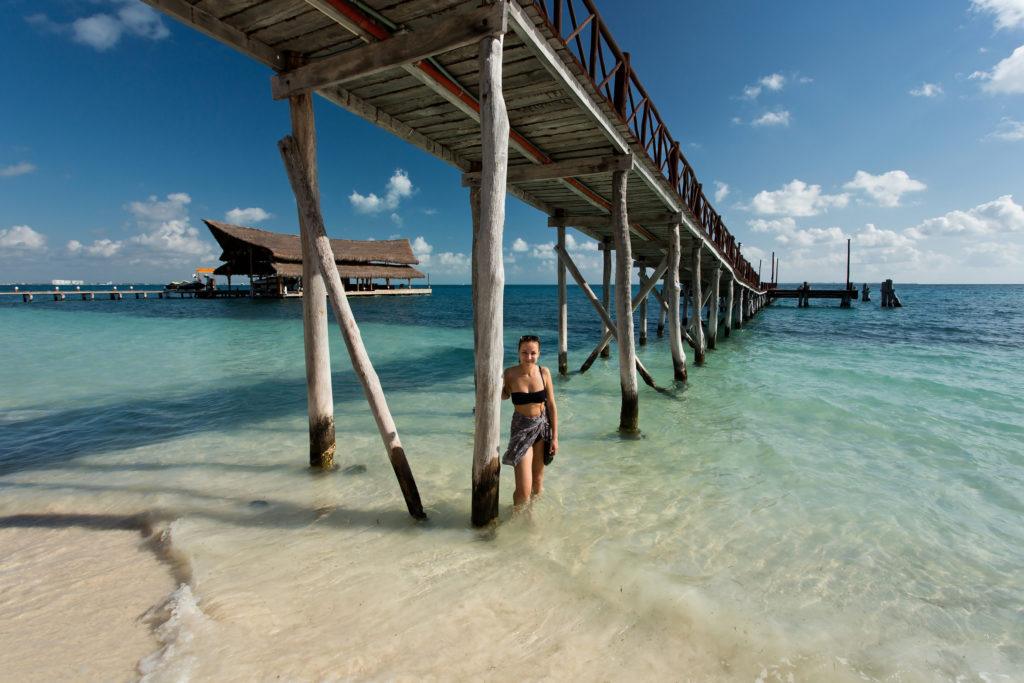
pixel 834 494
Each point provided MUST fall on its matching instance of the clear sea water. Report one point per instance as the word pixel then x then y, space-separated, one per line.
pixel 835 495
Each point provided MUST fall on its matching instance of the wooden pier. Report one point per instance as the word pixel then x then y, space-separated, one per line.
pixel 531 98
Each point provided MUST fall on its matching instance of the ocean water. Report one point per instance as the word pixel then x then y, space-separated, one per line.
pixel 835 495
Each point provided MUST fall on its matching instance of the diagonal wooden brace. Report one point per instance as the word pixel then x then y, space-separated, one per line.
pixel 563 256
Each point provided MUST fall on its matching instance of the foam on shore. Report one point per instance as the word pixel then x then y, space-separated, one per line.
pixel 74 600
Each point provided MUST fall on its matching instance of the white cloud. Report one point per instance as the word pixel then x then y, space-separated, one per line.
pixel 772 118
pixel 994 254
pixel 22 238
pixel 771 82
pixel 240 216
pixel 779 225
pixel 812 237
pixel 721 190
pixel 1007 77
pixel 1009 130
pixel 1008 13
pixel 886 189
pixel 399 187
pixel 165 236
pixel 520 245
pixel 103 31
pixel 797 198
pixel 1000 216
pixel 397 220
pixel 927 90
pixel 873 238
pixel 17 169
pixel 103 248
pixel 421 248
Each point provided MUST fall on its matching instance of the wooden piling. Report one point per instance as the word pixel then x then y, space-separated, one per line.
pixel 729 305
pixel 739 308
pixel 563 311
pixel 490 281
pixel 713 308
pixel 629 415
pixel 675 331
pixel 606 287
pixel 294 160
pixel 643 311
pixel 700 347
pixel 662 311
pixel 319 394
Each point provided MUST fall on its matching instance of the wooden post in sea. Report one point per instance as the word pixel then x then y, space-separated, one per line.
pixel 662 313
pixel 729 304
pixel 671 290
pixel 563 311
pixel 309 206
pixel 319 395
pixel 489 283
pixel 606 286
pixel 698 330
pixel 739 308
pixel 643 311
pixel 630 412
pixel 716 277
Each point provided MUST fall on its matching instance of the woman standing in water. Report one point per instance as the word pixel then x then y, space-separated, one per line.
pixel 534 439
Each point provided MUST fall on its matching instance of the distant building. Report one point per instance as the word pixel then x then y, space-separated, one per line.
pixel 273 262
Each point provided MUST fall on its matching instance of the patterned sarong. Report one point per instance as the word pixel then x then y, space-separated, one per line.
pixel 526 431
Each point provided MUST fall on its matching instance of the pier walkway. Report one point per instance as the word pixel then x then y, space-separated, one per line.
pixel 532 98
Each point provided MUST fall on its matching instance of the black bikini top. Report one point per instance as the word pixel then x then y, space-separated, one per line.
pixel 523 398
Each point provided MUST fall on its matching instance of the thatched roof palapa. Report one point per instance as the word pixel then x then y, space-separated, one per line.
pixel 273 253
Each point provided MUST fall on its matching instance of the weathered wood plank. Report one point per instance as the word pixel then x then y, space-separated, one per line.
pixel 558 169
pixel 444 35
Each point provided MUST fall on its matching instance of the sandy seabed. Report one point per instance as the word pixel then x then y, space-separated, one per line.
pixel 73 603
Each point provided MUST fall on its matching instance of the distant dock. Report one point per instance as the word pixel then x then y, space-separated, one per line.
pixel 114 294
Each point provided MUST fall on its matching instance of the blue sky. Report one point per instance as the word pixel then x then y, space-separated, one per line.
pixel 899 125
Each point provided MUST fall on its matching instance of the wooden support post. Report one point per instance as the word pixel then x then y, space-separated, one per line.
pixel 489 283
pixel 606 287
pixel 319 395
pixel 309 206
pixel 713 308
pixel 695 290
pixel 611 330
pixel 629 415
pixel 563 312
pixel 730 305
pixel 643 310
pixel 739 308
pixel 663 310
pixel 685 299
pixel 675 332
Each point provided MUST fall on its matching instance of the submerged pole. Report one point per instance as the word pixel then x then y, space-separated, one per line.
pixel 606 287
pixel 643 310
pixel 629 414
pixel 716 277
pixel 563 311
pixel 316 233
pixel 698 330
pixel 319 395
pixel 489 279
pixel 730 305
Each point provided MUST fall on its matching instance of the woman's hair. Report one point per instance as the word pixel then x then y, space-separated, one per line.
pixel 528 338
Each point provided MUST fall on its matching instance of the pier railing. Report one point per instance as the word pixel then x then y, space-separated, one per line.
pixel 586 36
